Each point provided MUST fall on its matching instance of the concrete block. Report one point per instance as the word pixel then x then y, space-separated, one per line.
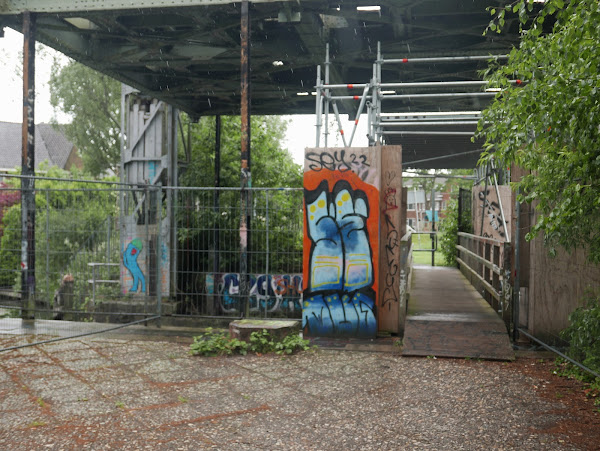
pixel 242 329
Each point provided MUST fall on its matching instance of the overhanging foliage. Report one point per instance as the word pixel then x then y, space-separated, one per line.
pixel 550 125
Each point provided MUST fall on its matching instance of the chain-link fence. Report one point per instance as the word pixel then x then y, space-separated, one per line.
pixel 110 253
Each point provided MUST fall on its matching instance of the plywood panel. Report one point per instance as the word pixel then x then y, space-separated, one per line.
pixel 557 286
pixel 486 204
pixel 389 308
pixel 341 241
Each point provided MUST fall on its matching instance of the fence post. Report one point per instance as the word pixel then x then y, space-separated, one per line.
pixel 28 169
pixel 507 297
pixel 246 178
pixel 48 295
pixel 158 261
pixel 516 295
pixel 146 198
pixel 433 223
pixel 108 231
pixel 267 256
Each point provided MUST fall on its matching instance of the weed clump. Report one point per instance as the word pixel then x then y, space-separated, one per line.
pixel 216 343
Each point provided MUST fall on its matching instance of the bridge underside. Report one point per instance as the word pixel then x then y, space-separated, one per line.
pixel 189 55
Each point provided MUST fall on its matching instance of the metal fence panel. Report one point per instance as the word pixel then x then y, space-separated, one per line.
pixel 117 254
pixel 78 256
pixel 207 275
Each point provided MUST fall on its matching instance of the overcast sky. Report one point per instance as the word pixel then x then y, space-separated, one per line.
pixel 301 129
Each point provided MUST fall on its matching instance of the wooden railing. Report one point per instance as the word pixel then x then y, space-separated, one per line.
pixel 486 263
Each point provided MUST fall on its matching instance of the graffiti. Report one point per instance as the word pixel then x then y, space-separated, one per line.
pixel 390 200
pixel 341 161
pixel 270 292
pixel 390 292
pixel 151 171
pixel 490 208
pixel 130 256
pixel 340 299
pixel 402 290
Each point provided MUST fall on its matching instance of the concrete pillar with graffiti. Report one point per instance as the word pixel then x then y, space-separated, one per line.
pixel 342 238
pixel 148 162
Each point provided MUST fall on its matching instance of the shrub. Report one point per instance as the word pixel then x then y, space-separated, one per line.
pixel 213 344
pixel 583 333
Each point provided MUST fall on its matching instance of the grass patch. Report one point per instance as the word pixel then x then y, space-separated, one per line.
pixel 424 258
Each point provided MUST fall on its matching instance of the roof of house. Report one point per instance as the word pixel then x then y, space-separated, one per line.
pixel 50 145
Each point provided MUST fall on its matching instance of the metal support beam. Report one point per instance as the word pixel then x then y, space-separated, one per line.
pixel 246 180
pixel 339 121
pixel 28 169
pixel 517 269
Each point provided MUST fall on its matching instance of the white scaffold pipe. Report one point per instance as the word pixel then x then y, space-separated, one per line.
pixel 425 123
pixel 318 101
pixel 425 133
pixel 444 59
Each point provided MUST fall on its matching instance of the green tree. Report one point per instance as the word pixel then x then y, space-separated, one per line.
pixel 271 164
pixel 449 228
pixel 93 101
pixel 549 124
pixel 210 239
pixel 69 216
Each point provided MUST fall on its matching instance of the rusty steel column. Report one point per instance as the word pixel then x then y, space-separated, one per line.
pixel 216 238
pixel 28 169
pixel 246 179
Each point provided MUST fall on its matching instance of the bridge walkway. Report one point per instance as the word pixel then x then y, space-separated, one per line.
pixel 447 317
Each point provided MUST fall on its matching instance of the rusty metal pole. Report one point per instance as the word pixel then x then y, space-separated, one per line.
pixel 28 169
pixel 246 180
pixel 216 238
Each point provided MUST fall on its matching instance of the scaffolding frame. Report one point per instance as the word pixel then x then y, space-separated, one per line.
pixel 375 92
pixel 380 125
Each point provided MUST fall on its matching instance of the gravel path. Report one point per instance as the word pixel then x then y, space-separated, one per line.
pixel 107 393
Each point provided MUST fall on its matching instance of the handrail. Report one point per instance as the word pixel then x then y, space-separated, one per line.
pixel 481 260
pixel 487 286
pixel 486 262
pixel 481 239
pixel 433 249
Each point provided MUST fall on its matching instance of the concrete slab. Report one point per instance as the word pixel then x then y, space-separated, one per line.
pixel 142 394
pixel 448 318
